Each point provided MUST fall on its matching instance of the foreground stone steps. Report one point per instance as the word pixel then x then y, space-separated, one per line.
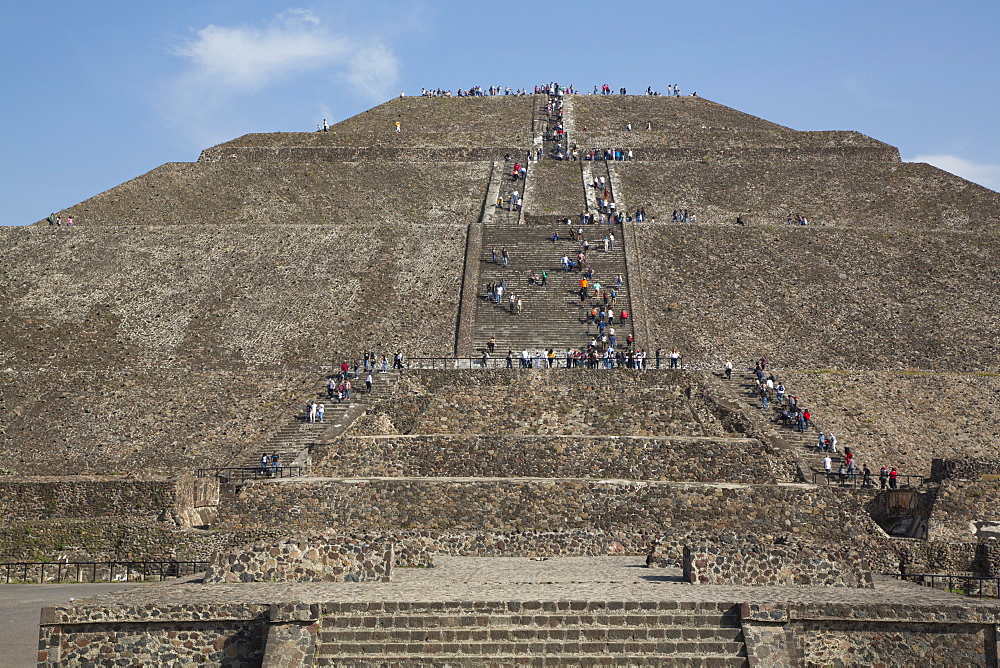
pixel 531 633
pixel 678 660
pixel 515 633
pixel 478 618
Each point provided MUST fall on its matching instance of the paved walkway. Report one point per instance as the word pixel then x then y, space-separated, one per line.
pixel 527 579
pixel 20 606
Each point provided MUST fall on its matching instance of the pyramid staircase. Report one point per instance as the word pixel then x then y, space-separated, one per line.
pixel 553 315
pixel 803 444
pixel 294 440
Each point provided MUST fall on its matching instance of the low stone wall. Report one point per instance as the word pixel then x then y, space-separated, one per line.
pixel 757 564
pixel 490 456
pixel 221 635
pixel 971 468
pixel 317 558
pixel 890 635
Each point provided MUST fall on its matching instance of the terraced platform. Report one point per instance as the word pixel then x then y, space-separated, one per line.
pixel 570 611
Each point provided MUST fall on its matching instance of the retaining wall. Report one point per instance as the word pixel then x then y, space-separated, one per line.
pixel 622 510
pixel 490 456
pixel 180 501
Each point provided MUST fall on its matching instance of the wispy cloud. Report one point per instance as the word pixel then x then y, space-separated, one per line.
pixel 227 65
pixel 371 70
pixel 985 174
pixel 247 59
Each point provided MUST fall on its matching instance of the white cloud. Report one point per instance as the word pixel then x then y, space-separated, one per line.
pixel 984 174
pixel 244 59
pixel 227 65
pixel 230 60
pixel 372 70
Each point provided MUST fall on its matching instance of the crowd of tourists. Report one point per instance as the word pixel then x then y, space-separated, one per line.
pixel 789 412
pixel 550 88
pixel 590 358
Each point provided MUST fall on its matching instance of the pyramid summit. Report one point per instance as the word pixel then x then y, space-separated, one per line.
pixel 517 274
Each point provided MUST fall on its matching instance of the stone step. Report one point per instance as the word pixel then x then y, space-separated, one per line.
pixel 477 618
pixel 534 647
pixel 702 634
pixel 563 607
pixel 297 435
pixel 547 659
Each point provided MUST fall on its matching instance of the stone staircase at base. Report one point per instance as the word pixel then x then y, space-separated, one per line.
pixel 295 439
pixel 531 633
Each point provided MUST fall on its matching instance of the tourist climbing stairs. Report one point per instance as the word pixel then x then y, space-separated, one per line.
pixel 553 315
pixel 531 633
pixel 295 439
pixel 803 443
pixel 547 117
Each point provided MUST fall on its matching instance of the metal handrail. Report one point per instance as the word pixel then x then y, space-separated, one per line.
pixel 964 582
pixel 500 362
pixel 243 473
pixel 833 478
pixel 23 572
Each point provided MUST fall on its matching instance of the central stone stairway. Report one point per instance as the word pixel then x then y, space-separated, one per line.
pixel 531 633
pixel 553 314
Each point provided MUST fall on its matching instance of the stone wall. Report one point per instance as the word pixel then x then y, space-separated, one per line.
pixel 624 403
pixel 490 456
pixel 621 510
pixel 965 511
pixel 226 635
pixel 725 294
pixel 179 501
pixel 310 558
pixel 890 635
pixel 871 195
pixel 758 564
pixel 972 468
pixel 903 644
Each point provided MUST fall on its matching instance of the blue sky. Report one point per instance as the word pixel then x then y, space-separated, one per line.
pixel 97 93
